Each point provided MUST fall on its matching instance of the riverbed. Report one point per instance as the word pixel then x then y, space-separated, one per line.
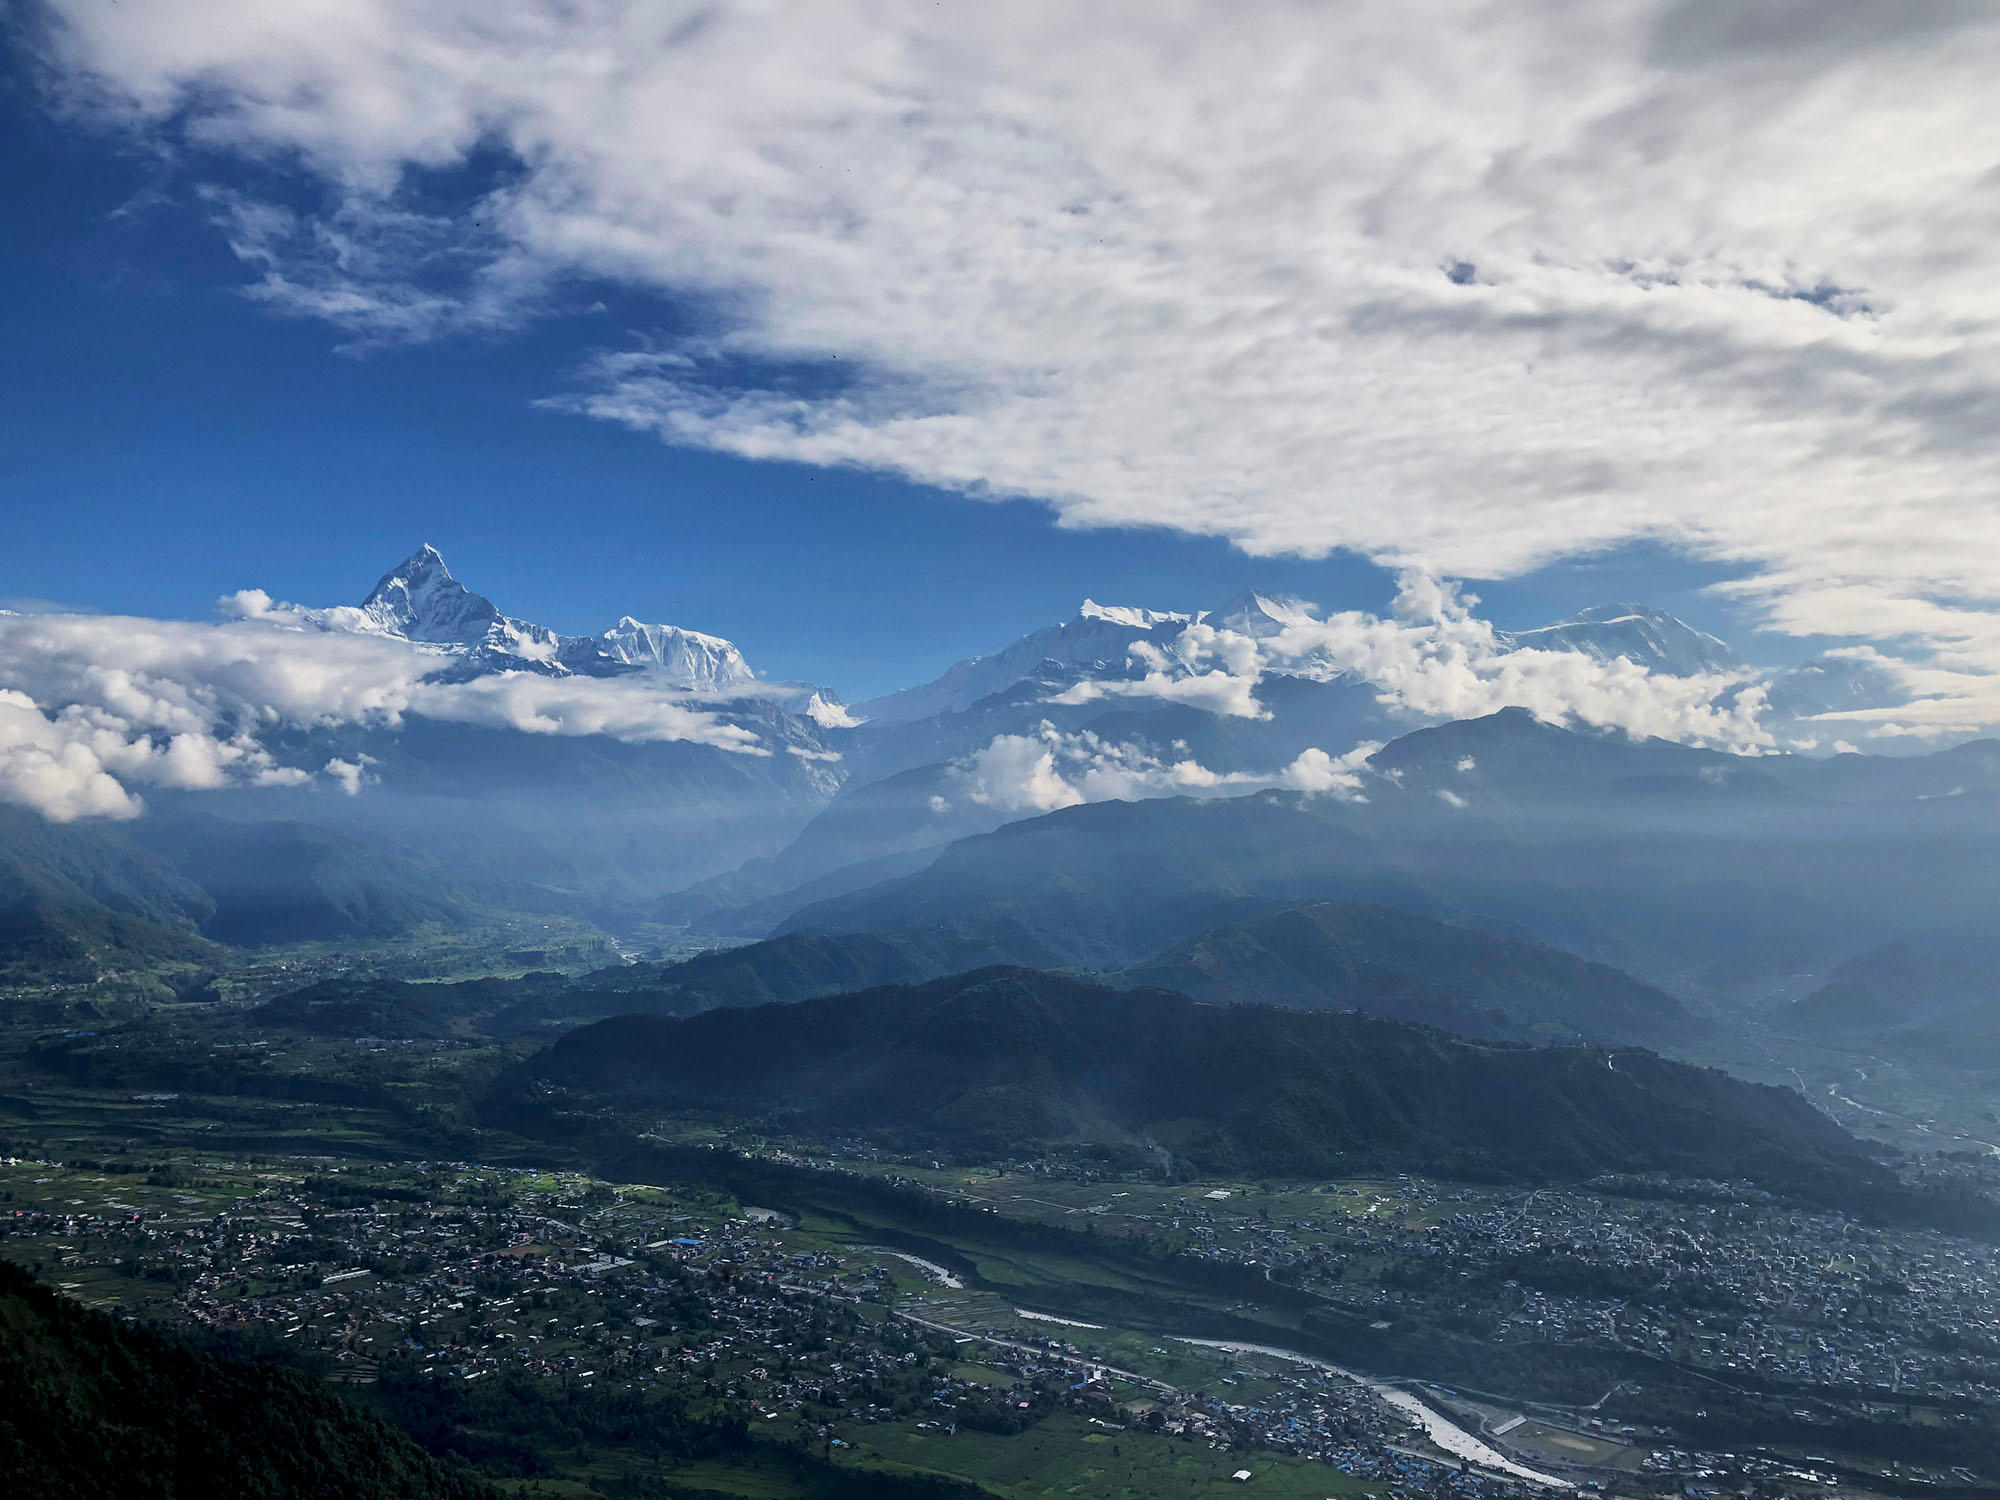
pixel 1447 1434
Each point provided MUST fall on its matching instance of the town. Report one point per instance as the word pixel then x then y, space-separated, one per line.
pixel 474 1289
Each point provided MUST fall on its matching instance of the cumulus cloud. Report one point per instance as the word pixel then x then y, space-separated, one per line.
pixel 1203 667
pixel 349 775
pixel 95 708
pixel 1433 657
pixel 1023 774
pixel 1465 289
pixel 1317 772
pixel 49 763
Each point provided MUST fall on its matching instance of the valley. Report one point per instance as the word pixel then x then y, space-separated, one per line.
pixel 879 750
pixel 1505 1108
pixel 317 1194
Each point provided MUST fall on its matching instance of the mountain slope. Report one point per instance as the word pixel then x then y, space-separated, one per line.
pixel 1650 638
pixel 1334 956
pixel 1001 1060
pixel 90 1407
pixel 1930 979
pixel 683 656
pixel 419 600
pixel 1670 862
pixel 1097 637
pixel 1325 956
pixel 79 899
pixel 294 882
pixel 583 824
pixel 803 966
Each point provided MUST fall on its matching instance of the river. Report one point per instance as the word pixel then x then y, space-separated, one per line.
pixel 930 1268
pixel 1448 1435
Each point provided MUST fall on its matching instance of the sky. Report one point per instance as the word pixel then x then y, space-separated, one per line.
pixel 873 335
pixel 168 439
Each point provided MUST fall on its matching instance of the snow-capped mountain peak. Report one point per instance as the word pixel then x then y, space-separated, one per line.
pixel 1259 615
pixel 1128 618
pixel 687 658
pixel 1097 639
pixel 419 600
pixel 1650 638
pixel 1837 683
pixel 828 711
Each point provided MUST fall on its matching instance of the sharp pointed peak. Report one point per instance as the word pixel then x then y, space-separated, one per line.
pixel 1267 600
pixel 425 562
pixel 425 558
pixel 1260 613
pixel 419 598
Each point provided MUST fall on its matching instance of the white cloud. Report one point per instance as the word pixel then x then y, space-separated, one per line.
pixel 48 763
pixel 1049 769
pixel 1460 288
pixel 95 707
pixel 1434 658
pixel 348 775
pixel 1203 667
pixel 1016 773
pixel 1316 771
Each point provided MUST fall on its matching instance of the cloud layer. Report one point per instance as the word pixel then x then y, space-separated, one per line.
pixel 1025 774
pixel 1433 656
pixel 1435 659
pixel 1464 288
pixel 95 708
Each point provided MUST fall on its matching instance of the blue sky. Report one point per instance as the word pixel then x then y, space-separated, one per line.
pixel 721 314
pixel 164 439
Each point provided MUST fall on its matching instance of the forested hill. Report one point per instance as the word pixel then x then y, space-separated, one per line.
pixel 1336 955
pixel 1327 955
pixel 1003 1060
pixel 90 1408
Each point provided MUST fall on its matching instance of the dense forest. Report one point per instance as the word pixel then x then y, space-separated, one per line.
pixel 1002 1059
pixel 92 1407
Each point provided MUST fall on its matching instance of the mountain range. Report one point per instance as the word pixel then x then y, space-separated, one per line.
pixel 889 815
pixel 421 603
pixel 1081 893
pixel 1677 864
pixel 1325 956
pixel 1651 638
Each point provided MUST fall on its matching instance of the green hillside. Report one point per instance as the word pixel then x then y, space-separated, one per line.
pixel 1003 1060
pixel 90 1407
pixel 1339 956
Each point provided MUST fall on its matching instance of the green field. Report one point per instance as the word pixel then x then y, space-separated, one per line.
pixel 1066 1456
